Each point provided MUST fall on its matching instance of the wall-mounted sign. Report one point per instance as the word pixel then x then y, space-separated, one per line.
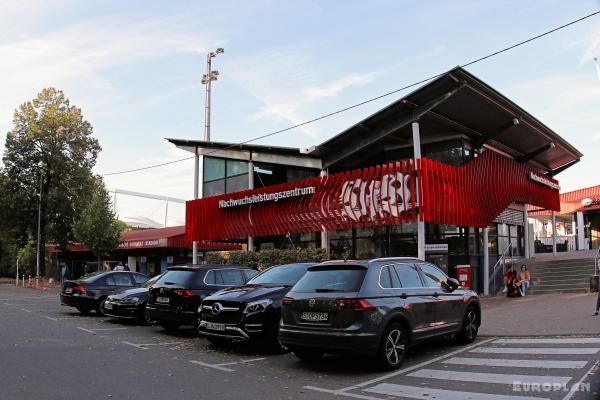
pixel 436 247
pixel 590 202
pixel 143 259
pixel 262 197
pixel 543 180
pixel 143 243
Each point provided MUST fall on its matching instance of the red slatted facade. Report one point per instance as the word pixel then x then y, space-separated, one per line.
pixel 470 195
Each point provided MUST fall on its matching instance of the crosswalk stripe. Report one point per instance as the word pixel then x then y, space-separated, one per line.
pixel 536 350
pixel 503 362
pixel 549 341
pixel 489 378
pixel 415 392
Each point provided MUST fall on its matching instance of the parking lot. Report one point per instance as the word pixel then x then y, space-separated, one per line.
pixel 51 352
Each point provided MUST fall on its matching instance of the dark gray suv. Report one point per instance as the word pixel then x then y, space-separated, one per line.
pixel 375 307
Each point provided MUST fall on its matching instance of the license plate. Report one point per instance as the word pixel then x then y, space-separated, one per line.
pixel 215 327
pixel 108 306
pixel 69 290
pixel 163 299
pixel 314 316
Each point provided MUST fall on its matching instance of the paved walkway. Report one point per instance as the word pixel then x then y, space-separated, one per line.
pixel 540 315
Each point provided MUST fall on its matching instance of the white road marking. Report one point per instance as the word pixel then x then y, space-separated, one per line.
pixel 243 361
pixel 145 346
pixel 26 310
pixel 342 393
pixel 488 378
pixel 50 318
pixel 405 370
pixel 416 392
pixel 108 329
pixel 536 350
pixel 86 330
pixel 212 366
pixel 588 340
pixel 503 362
pixel 577 385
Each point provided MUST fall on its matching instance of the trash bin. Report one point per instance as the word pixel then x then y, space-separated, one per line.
pixel 594 283
pixel 463 275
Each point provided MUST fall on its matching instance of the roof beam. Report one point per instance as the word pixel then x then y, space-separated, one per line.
pixel 560 169
pixel 376 136
pixel 486 137
pixel 531 155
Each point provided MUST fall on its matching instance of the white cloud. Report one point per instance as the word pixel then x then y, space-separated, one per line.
pixel 593 45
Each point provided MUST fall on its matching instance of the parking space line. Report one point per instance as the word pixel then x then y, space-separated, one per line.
pixel 588 340
pixel 215 366
pixel 481 377
pixel 86 330
pixel 577 385
pixel 145 346
pixel 503 362
pixel 537 350
pixel 26 310
pixel 242 361
pixel 55 319
pixel 417 392
pixel 108 329
pixel 342 393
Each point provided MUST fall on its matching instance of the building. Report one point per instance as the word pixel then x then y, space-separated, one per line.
pixel 446 173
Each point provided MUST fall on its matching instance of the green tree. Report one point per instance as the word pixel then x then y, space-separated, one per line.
pixel 49 152
pixel 97 228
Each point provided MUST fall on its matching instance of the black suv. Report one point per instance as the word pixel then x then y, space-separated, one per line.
pixel 90 292
pixel 174 299
pixel 377 307
pixel 251 311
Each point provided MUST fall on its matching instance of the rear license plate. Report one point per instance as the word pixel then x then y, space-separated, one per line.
pixel 215 327
pixel 69 290
pixel 108 306
pixel 314 316
pixel 163 299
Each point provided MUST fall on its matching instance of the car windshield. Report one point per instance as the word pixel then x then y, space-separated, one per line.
pixel 91 277
pixel 150 281
pixel 331 279
pixel 176 277
pixel 284 275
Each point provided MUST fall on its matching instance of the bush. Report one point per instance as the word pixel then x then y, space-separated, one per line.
pixel 266 258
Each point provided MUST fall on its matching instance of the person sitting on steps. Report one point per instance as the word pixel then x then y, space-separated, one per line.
pixel 524 280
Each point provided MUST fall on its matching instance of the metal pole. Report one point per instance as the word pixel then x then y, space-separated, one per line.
pixel 250 186
pixel 486 262
pixel 324 233
pixel 39 232
pixel 166 211
pixel 580 232
pixel 17 271
pixel 526 231
pixel 207 98
pixel 420 222
pixel 553 233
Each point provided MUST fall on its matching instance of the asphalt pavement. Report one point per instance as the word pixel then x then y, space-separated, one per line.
pixel 51 352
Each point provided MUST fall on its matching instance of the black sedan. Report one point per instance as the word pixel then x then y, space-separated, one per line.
pixel 251 311
pixel 90 292
pixel 130 303
pixel 375 307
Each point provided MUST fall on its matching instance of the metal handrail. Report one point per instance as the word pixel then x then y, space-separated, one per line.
pixel 500 262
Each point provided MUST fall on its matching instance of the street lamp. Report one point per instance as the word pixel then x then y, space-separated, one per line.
pixel 39 227
pixel 207 78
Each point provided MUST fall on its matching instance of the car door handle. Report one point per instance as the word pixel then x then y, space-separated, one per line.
pixel 403 296
pixel 436 294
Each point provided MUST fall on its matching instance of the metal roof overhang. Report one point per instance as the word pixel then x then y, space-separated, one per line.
pixel 456 104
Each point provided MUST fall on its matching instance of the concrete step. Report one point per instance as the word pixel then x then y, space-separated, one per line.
pixel 557 291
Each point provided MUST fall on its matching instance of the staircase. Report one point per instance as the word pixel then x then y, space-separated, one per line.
pixel 560 276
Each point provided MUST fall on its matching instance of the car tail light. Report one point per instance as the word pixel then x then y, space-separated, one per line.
pixel 184 293
pixel 79 289
pixel 286 301
pixel 355 304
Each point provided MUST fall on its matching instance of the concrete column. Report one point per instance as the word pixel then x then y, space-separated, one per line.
pixel 420 223
pixel 196 196
pixel 553 233
pixel 250 186
pixel 580 232
pixel 132 263
pixel 486 262
pixel 526 231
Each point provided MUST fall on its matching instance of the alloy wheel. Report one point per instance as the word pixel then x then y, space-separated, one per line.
pixel 471 325
pixel 394 346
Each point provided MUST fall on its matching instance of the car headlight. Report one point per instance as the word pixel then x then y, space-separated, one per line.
pixel 257 306
pixel 130 300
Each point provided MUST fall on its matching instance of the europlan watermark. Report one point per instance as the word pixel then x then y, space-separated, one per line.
pixel 531 387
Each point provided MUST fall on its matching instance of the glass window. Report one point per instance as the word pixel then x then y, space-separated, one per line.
pixel 323 279
pixel 231 277
pixel 513 230
pixel 237 167
pixel 214 188
pixel 237 183
pixel 139 278
pixel 385 281
pixel 214 168
pixel 249 273
pixel 177 277
pixel 502 230
pixel 409 276
pixel 433 276
pixel 122 280
pixel 286 275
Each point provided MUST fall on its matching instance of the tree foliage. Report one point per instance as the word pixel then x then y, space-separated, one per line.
pixel 97 228
pixel 51 151
pixel 266 258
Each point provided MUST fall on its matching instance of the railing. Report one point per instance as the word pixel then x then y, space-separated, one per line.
pixel 501 263
pixel 563 243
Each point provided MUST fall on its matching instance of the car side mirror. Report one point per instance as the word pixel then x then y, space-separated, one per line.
pixel 451 284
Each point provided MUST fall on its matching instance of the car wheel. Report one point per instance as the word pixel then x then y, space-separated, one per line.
pixel 393 347
pixel 308 355
pixel 83 310
pixel 470 327
pixel 218 341
pixel 170 326
pixel 100 308
pixel 147 319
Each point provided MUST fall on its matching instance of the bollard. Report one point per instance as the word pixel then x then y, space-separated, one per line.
pixel 23 280
pixel 37 282
pixel 29 281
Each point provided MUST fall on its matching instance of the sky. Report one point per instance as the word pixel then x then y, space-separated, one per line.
pixel 134 68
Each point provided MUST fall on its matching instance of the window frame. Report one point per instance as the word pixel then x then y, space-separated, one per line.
pixel 240 270
pixel 395 264
pixel 423 275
